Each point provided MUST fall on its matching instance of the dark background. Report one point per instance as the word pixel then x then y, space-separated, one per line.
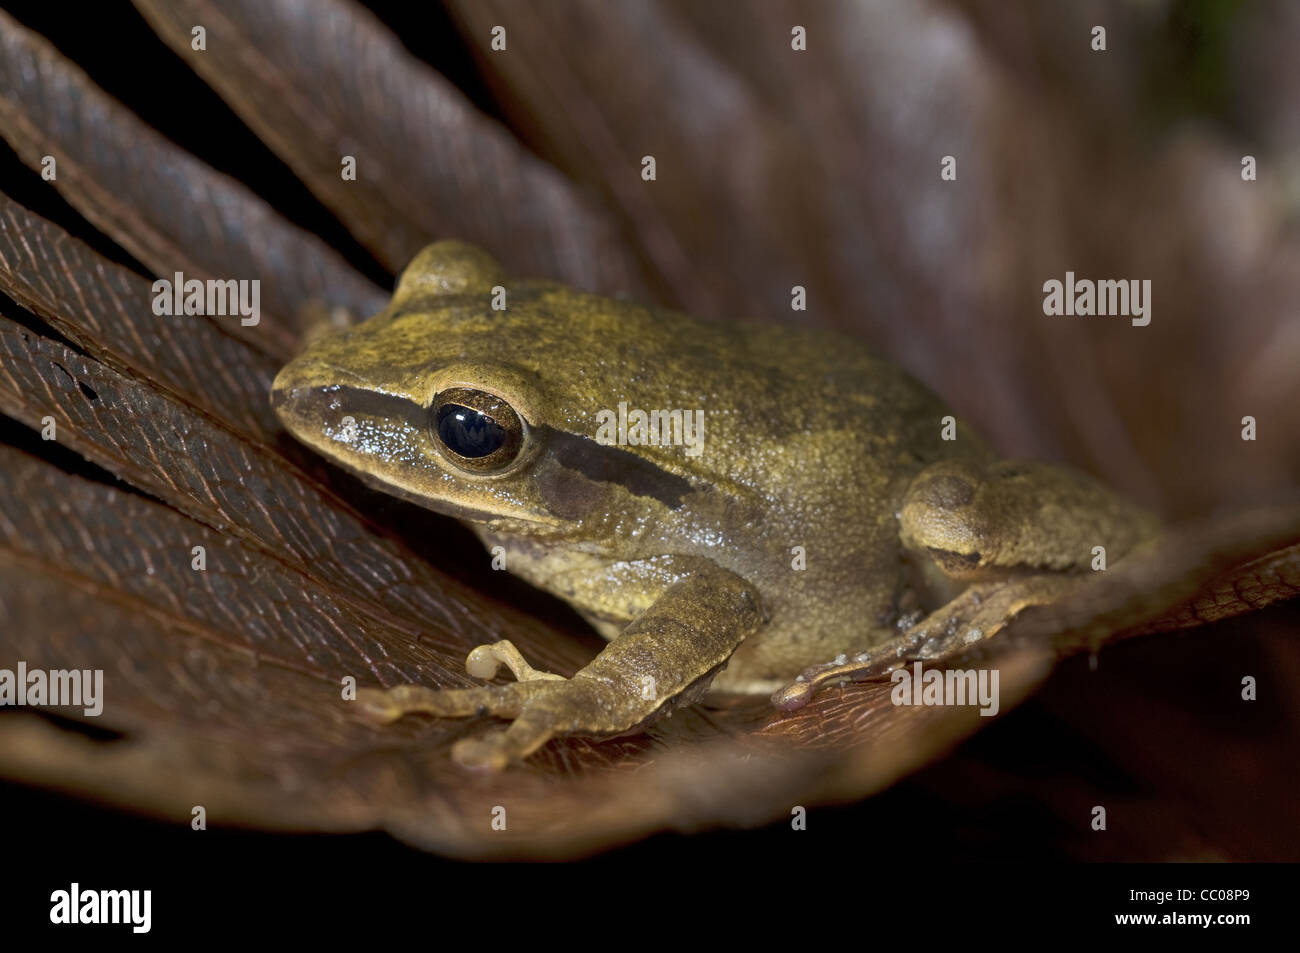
pixel 1124 735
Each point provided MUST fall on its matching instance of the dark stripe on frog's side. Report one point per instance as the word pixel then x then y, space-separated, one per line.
pixel 605 464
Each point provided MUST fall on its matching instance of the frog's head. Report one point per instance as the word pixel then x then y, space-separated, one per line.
pixel 483 413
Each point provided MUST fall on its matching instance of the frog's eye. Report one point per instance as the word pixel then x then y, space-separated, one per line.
pixel 479 431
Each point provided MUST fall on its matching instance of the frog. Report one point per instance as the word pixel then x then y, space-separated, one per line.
pixel 826 514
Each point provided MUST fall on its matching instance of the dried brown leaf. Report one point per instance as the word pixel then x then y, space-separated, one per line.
pixel 322 80
pixel 225 684
pixel 107 311
pixel 165 207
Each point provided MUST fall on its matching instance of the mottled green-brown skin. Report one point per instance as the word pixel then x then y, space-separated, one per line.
pixel 809 441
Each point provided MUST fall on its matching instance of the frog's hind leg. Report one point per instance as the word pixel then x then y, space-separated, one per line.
pixel 978 613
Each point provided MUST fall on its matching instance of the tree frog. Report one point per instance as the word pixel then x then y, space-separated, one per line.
pixel 728 504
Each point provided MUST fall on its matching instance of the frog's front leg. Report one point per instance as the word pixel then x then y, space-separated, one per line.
pixel 666 657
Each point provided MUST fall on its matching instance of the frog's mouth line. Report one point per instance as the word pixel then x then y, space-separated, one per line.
pixel 499 522
pixel 504 521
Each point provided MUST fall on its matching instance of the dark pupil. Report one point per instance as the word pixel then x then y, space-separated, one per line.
pixel 468 432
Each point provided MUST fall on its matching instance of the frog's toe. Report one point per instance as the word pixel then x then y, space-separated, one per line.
pixel 386 706
pixel 490 752
pixel 801 691
pixel 486 660
pixel 793 696
pixel 495 750
pixel 375 704
pixel 483 753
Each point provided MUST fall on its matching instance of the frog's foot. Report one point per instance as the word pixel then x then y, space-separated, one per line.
pixel 543 707
pixel 665 658
pixel 385 706
pixel 977 614
pixel 540 704
pixel 552 709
